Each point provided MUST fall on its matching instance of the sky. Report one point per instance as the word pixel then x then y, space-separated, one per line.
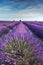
pixel 26 10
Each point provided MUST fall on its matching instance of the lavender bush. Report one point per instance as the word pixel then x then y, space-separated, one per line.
pixel 20 51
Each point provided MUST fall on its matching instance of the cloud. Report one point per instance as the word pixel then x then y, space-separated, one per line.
pixel 23 4
pixel 5 8
pixel 20 4
pixel 25 0
pixel 30 13
pixel 21 9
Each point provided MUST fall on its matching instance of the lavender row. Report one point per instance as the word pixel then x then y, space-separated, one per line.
pixel 37 30
pixel 20 51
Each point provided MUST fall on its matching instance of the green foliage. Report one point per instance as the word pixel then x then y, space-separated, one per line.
pixel 21 51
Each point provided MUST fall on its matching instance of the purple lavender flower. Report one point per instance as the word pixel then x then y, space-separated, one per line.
pixel 22 52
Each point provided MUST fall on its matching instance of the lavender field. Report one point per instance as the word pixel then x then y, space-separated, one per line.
pixel 21 43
